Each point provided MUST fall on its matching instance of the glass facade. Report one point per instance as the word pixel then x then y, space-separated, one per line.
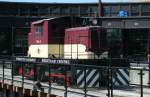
pixel 108 10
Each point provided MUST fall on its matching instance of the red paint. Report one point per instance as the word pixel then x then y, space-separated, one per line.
pixel 31 73
pixel 53 31
pixel 34 39
pixel 21 71
pixel 54 76
pixel 93 37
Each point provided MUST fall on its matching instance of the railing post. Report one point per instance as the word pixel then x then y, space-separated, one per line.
pixel 4 92
pixel 49 78
pixel 85 85
pixel 141 81
pixel 108 81
pixel 12 72
pixel 22 66
pixel 149 73
pixel 35 75
pixel 65 94
pixel 111 78
pixel 3 71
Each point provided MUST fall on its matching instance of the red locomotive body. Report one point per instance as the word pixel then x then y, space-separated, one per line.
pixel 56 38
pixel 85 43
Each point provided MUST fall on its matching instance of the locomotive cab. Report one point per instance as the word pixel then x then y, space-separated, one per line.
pixel 46 37
pixel 85 43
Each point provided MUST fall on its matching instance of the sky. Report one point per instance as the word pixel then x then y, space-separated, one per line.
pixel 57 1
pixel 69 1
pixel 73 1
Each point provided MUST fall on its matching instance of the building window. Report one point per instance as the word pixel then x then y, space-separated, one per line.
pixel 24 11
pixel 65 11
pixel 14 11
pixel 93 11
pixel 5 11
pixel 55 11
pixel 134 10
pixel 44 11
pixel 114 10
pixel 34 11
pixel 84 11
pixel 74 11
pixel 8 11
pixel 106 10
pixel 125 8
pixel 145 10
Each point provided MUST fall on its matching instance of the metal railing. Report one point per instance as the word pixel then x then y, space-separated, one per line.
pixel 94 80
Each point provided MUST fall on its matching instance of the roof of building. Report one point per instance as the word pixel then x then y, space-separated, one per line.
pixel 73 2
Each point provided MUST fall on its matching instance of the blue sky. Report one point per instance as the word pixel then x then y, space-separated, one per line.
pixel 74 1
pixel 66 1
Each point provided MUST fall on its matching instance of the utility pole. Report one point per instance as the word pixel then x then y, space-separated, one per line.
pixel 100 8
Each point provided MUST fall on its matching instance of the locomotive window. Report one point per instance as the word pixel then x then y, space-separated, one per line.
pixel 39 31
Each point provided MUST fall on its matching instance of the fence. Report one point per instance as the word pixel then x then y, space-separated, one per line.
pixel 100 79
